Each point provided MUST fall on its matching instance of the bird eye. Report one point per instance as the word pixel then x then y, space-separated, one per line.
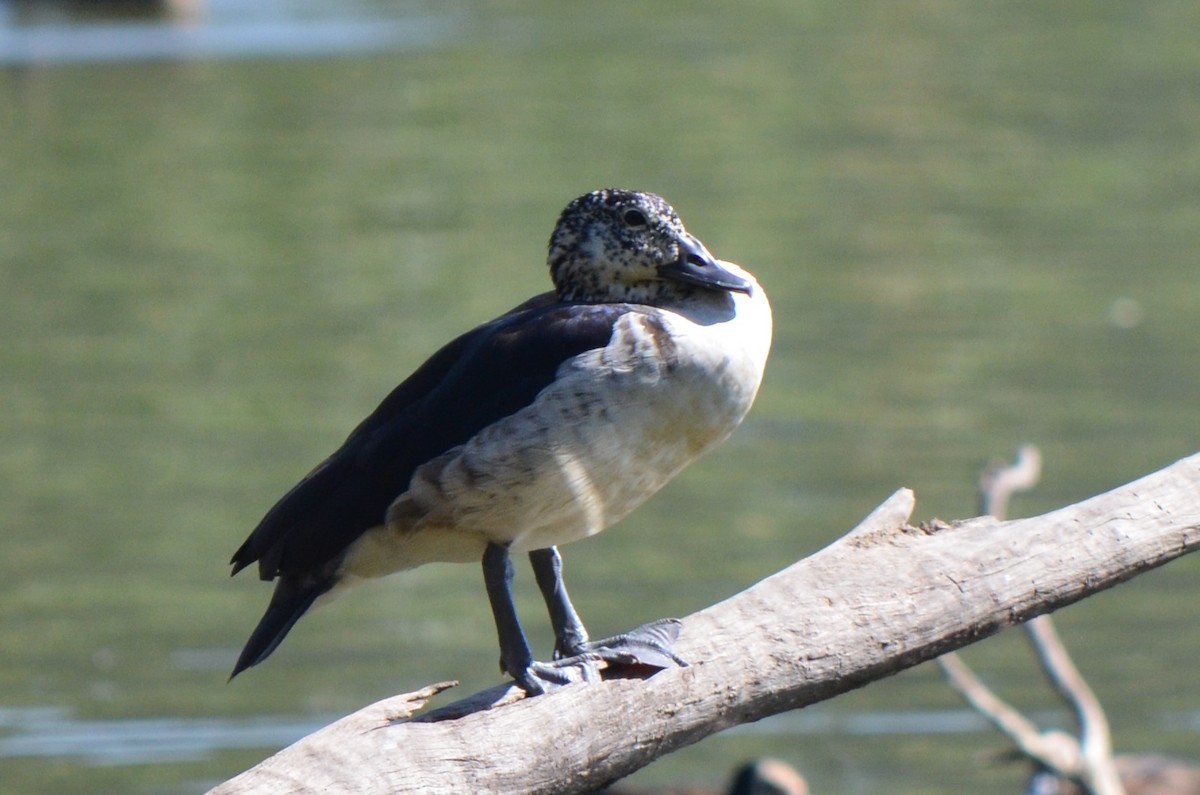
pixel 635 218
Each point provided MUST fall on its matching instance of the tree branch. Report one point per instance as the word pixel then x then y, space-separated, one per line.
pixel 1053 750
pixel 882 598
pixel 1088 760
pixel 1099 771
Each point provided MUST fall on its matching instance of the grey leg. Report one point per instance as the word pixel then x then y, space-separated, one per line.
pixel 569 632
pixel 647 645
pixel 515 657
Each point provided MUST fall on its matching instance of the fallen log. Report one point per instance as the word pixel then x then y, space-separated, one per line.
pixel 884 597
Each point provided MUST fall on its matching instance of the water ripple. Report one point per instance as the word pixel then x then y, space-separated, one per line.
pixel 51 732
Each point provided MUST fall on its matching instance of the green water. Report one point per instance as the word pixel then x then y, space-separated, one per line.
pixel 978 224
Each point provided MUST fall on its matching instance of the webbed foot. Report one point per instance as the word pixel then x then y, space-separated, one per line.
pixel 649 645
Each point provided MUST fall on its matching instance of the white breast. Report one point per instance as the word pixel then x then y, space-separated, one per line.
pixel 613 428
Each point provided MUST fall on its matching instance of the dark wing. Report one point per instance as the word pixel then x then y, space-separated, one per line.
pixel 484 375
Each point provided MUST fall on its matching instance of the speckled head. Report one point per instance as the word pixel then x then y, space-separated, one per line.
pixel 620 245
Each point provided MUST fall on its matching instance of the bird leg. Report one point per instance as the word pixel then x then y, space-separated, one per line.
pixel 570 636
pixel 649 644
pixel 515 657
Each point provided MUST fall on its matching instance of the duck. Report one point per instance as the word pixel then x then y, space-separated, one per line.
pixel 544 426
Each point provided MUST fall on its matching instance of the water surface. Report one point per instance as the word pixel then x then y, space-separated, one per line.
pixel 978 228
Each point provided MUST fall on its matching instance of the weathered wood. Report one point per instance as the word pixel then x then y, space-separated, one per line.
pixel 884 597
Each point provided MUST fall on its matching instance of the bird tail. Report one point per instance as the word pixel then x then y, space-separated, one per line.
pixel 291 599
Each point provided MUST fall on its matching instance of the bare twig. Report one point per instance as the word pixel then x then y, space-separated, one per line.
pixel 1099 773
pixel 1055 751
pixel 1088 760
pixel 999 480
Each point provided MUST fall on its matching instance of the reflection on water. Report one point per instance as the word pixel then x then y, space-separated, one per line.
pixel 56 732
pixel 61 33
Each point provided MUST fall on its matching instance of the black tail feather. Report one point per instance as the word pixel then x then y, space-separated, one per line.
pixel 290 601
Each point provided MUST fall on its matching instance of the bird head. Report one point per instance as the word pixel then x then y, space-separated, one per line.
pixel 619 245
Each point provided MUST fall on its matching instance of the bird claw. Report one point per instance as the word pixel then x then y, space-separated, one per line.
pixel 545 677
